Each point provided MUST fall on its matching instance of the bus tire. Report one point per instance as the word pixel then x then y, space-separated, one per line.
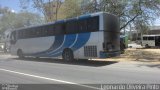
pixel 147 46
pixel 67 55
pixel 20 54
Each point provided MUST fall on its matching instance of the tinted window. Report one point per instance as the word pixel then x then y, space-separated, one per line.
pixel 51 30
pixel 38 31
pixel 43 32
pixel 150 38
pixel 88 25
pixel 71 27
pixel 13 37
pixel 82 26
pixel 32 32
pixel 20 34
pixel 93 24
pixel 144 38
pixel 59 29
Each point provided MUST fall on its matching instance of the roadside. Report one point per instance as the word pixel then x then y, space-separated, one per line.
pixel 131 54
pixel 132 59
pixel 138 55
pixel 3 53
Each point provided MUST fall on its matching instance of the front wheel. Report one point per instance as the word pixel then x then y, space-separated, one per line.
pixel 147 46
pixel 20 54
pixel 67 55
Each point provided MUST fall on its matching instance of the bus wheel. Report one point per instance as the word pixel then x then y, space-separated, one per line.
pixel 20 54
pixel 67 55
pixel 146 46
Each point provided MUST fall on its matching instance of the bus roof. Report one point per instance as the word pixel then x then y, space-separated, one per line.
pixel 151 35
pixel 85 16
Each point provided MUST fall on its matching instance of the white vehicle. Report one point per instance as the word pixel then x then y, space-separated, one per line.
pixel 151 41
pixel 6 40
pixel 89 36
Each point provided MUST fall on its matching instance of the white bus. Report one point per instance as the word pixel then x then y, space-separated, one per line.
pixel 89 36
pixel 151 40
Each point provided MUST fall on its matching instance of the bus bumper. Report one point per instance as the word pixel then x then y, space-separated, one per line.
pixel 109 54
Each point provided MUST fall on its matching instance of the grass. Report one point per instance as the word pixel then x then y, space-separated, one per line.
pixel 142 55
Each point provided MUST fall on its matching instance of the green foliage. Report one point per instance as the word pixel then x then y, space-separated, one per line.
pixel 10 20
pixel 71 8
pixel 132 11
pixel 49 8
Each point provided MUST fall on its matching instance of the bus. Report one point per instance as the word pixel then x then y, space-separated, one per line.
pixel 151 41
pixel 95 35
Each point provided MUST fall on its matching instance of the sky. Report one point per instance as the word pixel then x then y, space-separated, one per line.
pixel 157 22
pixel 12 4
pixel 15 6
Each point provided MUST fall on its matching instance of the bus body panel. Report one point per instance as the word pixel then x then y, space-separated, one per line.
pixel 151 40
pixel 148 42
pixel 93 46
pixel 33 45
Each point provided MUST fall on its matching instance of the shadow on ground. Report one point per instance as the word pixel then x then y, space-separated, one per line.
pixel 81 62
pixel 151 65
pixel 3 53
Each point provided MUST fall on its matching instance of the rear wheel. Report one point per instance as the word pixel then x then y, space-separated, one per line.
pixel 20 54
pixel 67 55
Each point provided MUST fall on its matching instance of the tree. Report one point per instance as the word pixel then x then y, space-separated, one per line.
pixel 49 8
pixel 54 10
pixel 129 11
pixel 71 8
pixel 89 6
pixel 10 20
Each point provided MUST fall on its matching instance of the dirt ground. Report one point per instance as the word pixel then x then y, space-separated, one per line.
pixel 142 55
pixel 132 54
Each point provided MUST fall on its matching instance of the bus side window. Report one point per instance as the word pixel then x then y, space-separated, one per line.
pixel 42 31
pixel 24 34
pixel 27 33
pixel 38 32
pixel 93 24
pixel 150 38
pixel 32 33
pixel 71 27
pixel 19 34
pixel 82 26
pixel 51 30
pixel 59 29
pixel 144 38
pixel 13 37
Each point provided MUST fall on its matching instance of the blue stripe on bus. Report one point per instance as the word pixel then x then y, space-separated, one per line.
pixel 81 41
pixel 84 17
pixel 69 40
pixel 59 21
